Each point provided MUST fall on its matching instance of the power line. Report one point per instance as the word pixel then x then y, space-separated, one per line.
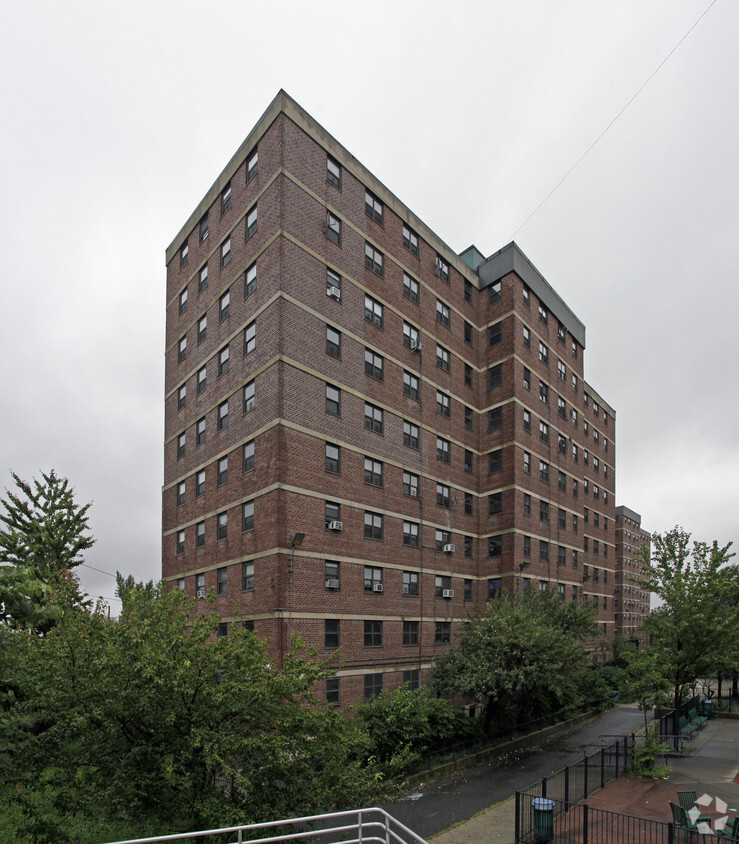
pixel 682 475
pixel 643 86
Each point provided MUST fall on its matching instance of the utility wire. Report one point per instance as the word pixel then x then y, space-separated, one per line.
pixel 675 477
pixel 588 150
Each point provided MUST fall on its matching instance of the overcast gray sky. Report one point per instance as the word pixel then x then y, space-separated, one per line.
pixel 118 117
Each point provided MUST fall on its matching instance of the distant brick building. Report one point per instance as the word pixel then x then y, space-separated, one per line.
pixel 368 436
pixel 631 602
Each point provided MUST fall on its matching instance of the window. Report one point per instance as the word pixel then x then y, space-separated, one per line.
pixel 333 458
pixel 495 293
pixel 442 313
pixel 247 516
pixel 467 590
pixel 373 364
pixel 544 511
pixel 543 392
pixel 442 497
pixel 247 576
pixel 495 419
pixel 200 585
pixel 222 525
pixel 182 350
pixel 544 354
pixel 200 483
pixel 410 385
pixel 468 503
pixel 527 546
pixel 203 279
pixel 543 551
pixel 226 197
pixel 526 337
pixel 495 546
pixel 543 314
pixel 184 254
pixel 331 573
pixel 183 301
pixel 443 450
pixel 373 525
pixel 372 471
pixel 331 633
pixel 224 306
pixel 333 228
pixel 468 418
pixel 543 431
pixel 225 252
pixel 561 407
pixel 561 444
pixel 222 581
pixel 467 460
pixel 373 311
pixel 333 400
pixel 373 259
pixel 180 542
pixel 495 461
pixel 495 334
pixel 182 397
pixel 249 396
pixel 467 375
pixel 495 376
pixel 333 342
pixel 333 687
pixel 222 471
pixel 527 462
pixel 494 588
pixel 574 524
pixel 574 383
pixel 526 504
pixel 222 630
pixel 562 519
pixel 467 333
pixel 443 634
pixel 495 503
pixel 251 222
pixel 373 419
pixel 202 378
pixel 333 512
pixel 202 328
pixel 410 239
pixel 410 484
pixel 200 431
pixel 250 281
pixel 250 338
pixel 561 371
pixel 249 456
pixel 180 493
pixel 468 288
pixel 575 453
pixel 443 403
pixel 372 685
pixel 410 434
pixel 442 358
pixel 333 172
pixel 526 296
pixel 526 378
pixel 223 415
pixel 200 535
pixel 372 578
pixel 410 628
pixel 527 420
pixel 410 538
pixel 410 288
pixel 410 336
pixel 203 230
pixel 467 551
pixel 223 356
pixel 544 471
pixel 372 207
pixel 442 269
pixel 561 481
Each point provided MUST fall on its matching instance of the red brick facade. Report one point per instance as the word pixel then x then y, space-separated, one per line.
pixel 631 602
pixel 335 413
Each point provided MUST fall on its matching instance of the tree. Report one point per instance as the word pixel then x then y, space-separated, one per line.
pixel 44 536
pixel 153 721
pixel 696 629
pixel 523 653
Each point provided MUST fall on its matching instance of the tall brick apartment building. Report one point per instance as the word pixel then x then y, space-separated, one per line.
pixel 368 436
pixel 630 601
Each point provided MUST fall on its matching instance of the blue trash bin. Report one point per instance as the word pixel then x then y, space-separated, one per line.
pixel 543 818
pixel 708 708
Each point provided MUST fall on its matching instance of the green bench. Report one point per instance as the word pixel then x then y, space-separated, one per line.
pixel 686 727
pixel 695 718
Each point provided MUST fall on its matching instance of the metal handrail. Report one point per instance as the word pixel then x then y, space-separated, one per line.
pixel 391 830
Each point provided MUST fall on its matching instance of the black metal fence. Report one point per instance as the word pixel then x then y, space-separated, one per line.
pixel 573 823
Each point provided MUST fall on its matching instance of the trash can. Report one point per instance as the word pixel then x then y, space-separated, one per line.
pixel 543 818
pixel 708 708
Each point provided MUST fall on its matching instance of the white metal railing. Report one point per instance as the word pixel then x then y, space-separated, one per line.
pixel 370 826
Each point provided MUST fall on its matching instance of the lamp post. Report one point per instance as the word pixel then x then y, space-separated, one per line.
pixel 296 540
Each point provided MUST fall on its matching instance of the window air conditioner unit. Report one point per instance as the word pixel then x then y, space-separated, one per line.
pixel 332 583
pixel 333 292
pixel 416 345
pixel 449 549
pixel 377 587
pixel 201 591
pixel 335 525
pixel 447 593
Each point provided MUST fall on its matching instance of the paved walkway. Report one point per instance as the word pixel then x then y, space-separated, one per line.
pixel 476 805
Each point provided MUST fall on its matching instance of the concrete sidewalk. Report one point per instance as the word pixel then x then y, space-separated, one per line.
pixel 711 768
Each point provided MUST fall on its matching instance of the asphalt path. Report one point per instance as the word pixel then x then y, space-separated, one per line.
pixel 432 807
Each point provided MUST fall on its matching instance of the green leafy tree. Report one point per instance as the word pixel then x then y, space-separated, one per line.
pixel 522 654
pixel 696 629
pixel 154 722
